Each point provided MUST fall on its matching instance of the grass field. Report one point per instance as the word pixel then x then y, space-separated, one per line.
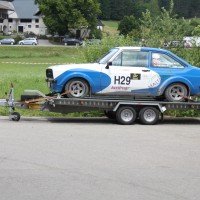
pixel 25 67
pixel 111 27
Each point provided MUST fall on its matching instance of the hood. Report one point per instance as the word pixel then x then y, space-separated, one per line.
pixel 60 69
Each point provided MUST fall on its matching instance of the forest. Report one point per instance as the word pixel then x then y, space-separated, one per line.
pixel 117 9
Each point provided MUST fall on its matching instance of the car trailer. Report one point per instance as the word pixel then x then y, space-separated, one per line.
pixel 125 111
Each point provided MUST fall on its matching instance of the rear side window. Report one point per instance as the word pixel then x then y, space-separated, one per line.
pixel 164 61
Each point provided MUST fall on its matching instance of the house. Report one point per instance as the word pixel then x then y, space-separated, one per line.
pixel 5 7
pixel 22 19
pixel 100 25
pixel 78 33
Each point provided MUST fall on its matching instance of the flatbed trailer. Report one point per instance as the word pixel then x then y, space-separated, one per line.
pixel 124 110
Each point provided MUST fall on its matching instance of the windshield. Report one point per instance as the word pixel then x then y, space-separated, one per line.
pixel 108 56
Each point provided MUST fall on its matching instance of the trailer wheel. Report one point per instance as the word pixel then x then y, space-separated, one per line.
pixel 126 115
pixel 110 114
pixel 15 116
pixel 77 88
pixel 149 115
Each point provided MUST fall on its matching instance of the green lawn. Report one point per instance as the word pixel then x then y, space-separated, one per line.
pixel 25 67
pixel 111 27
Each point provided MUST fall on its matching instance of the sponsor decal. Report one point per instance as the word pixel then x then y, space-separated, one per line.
pixel 135 76
pixel 120 88
pixel 155 81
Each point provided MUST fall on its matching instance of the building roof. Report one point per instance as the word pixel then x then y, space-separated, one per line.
pixel 5 5
pixel 99 23
pixel 25 9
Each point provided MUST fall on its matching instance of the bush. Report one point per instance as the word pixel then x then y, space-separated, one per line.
pixel 18 38
pixel 93 52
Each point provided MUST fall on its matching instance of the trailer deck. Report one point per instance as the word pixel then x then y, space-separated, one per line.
pixel 124 110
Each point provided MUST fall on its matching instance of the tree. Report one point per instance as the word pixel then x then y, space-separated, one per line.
pixel 105 9
pixel 196 31
pixel 165 27
pixel 121 8
pixel 61 15
pixel 127 25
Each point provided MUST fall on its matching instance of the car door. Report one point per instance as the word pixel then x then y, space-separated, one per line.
pixel 129 72
pixel 26 41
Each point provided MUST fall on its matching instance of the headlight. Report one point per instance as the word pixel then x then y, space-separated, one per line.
pixel 49 73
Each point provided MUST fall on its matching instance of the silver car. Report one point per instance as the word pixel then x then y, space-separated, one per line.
pixel 7 41
pixel 28 41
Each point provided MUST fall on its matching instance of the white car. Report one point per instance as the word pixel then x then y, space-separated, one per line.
pixel 136 71
pixel 28 41
pixel 10 41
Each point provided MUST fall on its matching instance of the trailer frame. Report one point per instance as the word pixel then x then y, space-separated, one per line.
pixel 124 110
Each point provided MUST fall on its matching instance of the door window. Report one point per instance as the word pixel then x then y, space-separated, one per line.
pixel 131 59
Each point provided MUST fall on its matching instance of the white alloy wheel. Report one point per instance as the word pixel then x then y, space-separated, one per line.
pixel 77 88
pixel 176 92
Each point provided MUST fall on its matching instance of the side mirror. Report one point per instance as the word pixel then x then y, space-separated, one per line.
pixel 108 64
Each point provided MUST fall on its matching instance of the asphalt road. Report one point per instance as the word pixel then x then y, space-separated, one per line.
pixel 97 159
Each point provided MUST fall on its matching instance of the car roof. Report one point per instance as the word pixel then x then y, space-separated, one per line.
pixel 157 50
pixel 142 48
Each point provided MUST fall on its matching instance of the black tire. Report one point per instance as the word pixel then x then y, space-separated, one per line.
pixel 11 43
pixel 110 114
pixel 176 92
pixel 65 44
pixel 26 97
pixel 149 115
pixel 126 115
pixel 15 116
pixel 21 43
pixel 76 88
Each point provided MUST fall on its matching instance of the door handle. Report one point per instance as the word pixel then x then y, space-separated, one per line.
pixel 146 70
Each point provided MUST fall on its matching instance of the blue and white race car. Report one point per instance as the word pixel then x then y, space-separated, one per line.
pixel 137 71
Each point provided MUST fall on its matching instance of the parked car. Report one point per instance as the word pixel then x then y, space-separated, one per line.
pixel 178 44
pixel 137 71
pixel 10 41
pixel 72 41
pixel 28 41
pixel 93 41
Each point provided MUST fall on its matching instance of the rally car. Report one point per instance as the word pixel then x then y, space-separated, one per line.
pixel 137 71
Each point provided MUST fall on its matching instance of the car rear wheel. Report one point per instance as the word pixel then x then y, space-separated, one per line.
pixel 65 43
pixel 76 88
pixel 11 43
pixel 176 92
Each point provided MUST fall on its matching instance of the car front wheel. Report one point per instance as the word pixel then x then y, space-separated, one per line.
pixel 76 88
pixel 176 92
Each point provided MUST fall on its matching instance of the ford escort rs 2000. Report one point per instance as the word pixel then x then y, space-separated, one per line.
pixel 137 71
